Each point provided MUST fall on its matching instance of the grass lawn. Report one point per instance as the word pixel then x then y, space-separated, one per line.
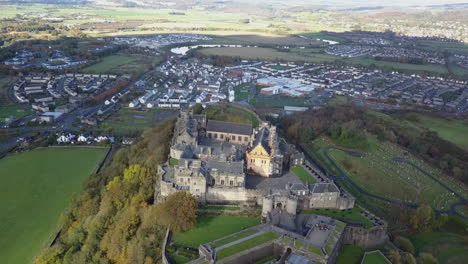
pixel 221 207
pixel 455 131
pixel 303 174
pixel 353 214
pixel 278 101
pixel 241 92
pixel 233 238
pixel 267 259
pixel 5 82
pixel 445 246
pixel 109 63
pixel 247 244
pixel 35 187
pixel 209 228
pixel 129 120
pixel 12 111
pixel 173 162
pixel 375 258
pixel 231 114
pixel 350 254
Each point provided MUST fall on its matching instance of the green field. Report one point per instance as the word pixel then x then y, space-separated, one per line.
pixel 233 238
pixel 221 207
pixel 109 63
pixel 128 120
pixel 241 92
pixel 247 244
pixel 455 131
pixel 377 173
pixel 350 254
pixel 12 111
pixel 353 215
pixel 277 101
pixel 35 187
pixel 123 64
pixel 5 82
pixel 374 258
pixel 270 54
pixel 447 247
pixel 303 174
pixel 229 113
pixel 209 228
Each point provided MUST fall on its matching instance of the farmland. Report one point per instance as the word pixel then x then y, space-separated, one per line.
pixel 35 187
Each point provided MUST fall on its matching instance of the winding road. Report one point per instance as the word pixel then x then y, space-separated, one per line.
pixel 462 201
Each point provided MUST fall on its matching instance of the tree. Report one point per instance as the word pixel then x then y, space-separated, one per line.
pixel 394 256
pixel 404 244
pixel 408 258
pixel 421 220
pixel 178 212
pixel 427 258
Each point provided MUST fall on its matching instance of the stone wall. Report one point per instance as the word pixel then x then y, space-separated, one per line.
pixel 254 254
pixel 233 195
pixel 365 238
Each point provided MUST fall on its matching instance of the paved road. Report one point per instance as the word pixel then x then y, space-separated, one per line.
pixel 462 201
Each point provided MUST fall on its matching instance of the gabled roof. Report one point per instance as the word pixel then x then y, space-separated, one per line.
pixel 229 127
pixel 262 139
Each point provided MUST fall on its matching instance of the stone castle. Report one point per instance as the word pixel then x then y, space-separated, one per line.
pixel 229 163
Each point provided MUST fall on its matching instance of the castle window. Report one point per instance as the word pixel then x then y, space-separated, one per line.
pixel 231 183
pixel 222 182
pixel 233 137
pixel 221 136
pixel 209 135
pixel 246 139
pixel 216 136
pixel 239 138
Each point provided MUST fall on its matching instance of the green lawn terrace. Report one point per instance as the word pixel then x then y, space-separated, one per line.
pixel 303 174
pixel 374 257
pixel 376 171
pixel 35 188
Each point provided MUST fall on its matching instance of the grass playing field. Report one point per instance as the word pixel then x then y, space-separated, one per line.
pixel 12 111
pixel 123 64
pixel 455 131
pixel 209 228
pixel 35 187
pixel 377 173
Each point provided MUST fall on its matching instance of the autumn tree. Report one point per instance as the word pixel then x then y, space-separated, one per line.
pixel 404 244
pixel 394 256
pixel 178 212
pixel 427 258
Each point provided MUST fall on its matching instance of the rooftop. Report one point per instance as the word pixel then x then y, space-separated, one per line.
pixel 229 127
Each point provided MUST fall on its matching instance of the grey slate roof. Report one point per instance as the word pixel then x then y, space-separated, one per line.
pixel 228 127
